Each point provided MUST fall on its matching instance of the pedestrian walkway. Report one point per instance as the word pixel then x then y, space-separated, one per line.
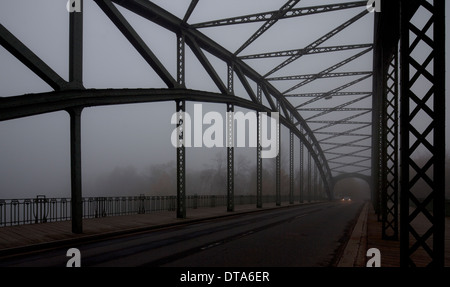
pixel 367 234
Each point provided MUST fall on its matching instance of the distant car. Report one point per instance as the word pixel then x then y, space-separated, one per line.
pixel 346 198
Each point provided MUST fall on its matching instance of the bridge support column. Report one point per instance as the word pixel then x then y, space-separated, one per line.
pixel 422 127
pixel 76 80
pixel 258 156
pixel 181 160
pixel 291 166
pixel 75 163
pixel 278 163
pixel 230 157
pixel 301 172
pixel 309 177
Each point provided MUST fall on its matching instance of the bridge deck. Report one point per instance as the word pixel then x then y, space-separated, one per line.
pixel 38 235
pixel 33 234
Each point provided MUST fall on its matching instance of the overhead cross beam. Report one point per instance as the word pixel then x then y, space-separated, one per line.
pixel 305 51
pixel 328 70
pixel 315 95
pixel 269 23
pixel 319 76
pixel 330 93
pixel 340 107
pixel 267 16
pixel 317 43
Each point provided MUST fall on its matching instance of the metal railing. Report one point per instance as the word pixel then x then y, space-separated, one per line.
pixel 43 209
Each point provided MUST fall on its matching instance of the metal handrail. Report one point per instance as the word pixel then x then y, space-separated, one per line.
pixel 43 209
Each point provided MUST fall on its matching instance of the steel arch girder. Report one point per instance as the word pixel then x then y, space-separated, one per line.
pixel 167 20
pixel 35 104
pixel 77 96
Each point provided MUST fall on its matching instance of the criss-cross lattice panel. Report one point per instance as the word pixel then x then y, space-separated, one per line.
pixel 390 149
pixel 423 116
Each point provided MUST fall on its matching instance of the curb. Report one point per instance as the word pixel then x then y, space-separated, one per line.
pixel 354 252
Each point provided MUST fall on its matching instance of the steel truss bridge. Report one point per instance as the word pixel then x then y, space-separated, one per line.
pixel 337 129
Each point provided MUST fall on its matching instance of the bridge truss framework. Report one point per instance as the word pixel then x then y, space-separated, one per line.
pixel 395 104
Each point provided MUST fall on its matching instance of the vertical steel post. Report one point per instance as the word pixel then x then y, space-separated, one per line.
pixel 76 47
pixel 181 59
pixel 429 104
pixel 76 80
pixel 181 160
pixel 230 142
pixel 301 171
pixel 315 182
pixel 278 163
pixel 309 177
pixel 181 109
pixel 258 154
pixel 75 159
pixel 376 99
pixel 230 157
pixel 291 165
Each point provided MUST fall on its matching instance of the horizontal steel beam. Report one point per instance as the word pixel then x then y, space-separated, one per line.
pixel 305 51
pixel 266 16
pixel 317 42
pixel 35 104
pixel 338 94
pixel 318 76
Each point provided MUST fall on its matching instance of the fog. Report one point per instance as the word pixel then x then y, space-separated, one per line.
pixel 126 149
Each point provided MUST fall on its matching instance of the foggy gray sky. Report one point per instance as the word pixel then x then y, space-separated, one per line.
pixel 34 151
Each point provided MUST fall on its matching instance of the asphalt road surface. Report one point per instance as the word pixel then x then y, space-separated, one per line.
pixel 296 236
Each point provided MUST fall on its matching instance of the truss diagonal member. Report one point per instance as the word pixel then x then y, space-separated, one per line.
pixel 127 30
pixel 265 16
pixel 246 85
pixel 31 60
pixel 334 91
pixel 190 10
pixel 269 23
pixel 317 42
pixel 340 107
pixel 311 51
pixel 206 64
pixel 270 100
pixel 328 70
